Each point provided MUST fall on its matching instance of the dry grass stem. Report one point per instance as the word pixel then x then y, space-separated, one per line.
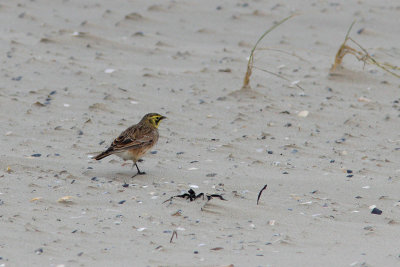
pixel 361 54
pixel 250 66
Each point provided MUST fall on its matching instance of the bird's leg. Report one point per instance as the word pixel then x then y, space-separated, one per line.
pixel 138 171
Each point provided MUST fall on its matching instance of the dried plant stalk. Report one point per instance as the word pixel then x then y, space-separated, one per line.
pixel 246 80
pixel 361 55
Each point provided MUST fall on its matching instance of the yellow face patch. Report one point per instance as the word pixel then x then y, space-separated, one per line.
pixel 156 119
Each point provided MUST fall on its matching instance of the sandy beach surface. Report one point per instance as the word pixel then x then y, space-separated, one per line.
pixel 74 74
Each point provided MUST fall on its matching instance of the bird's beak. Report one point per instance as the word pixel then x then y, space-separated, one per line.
pixel 163 117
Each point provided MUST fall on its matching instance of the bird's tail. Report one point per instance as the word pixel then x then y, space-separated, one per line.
pixel 103 155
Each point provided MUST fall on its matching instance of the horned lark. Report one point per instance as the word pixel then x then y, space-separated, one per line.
pixel 135 141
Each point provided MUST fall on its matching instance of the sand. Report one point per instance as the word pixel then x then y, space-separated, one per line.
pixel 77 73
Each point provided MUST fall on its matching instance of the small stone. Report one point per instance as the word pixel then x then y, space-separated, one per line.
pixel 340 140
pixel 39 251
pixel 36 155
pixel 138 34
pixel 303 113
pixel 109 71
pixel 376 211
pixel 122 202
pixel 17 78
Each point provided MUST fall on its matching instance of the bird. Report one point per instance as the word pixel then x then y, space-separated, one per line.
pixel 135 141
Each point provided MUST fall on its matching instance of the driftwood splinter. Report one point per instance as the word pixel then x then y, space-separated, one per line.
pixel 259 194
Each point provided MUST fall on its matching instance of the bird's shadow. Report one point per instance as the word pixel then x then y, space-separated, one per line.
pixel 129 175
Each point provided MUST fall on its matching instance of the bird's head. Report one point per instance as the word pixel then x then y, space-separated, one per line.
pixel 153 119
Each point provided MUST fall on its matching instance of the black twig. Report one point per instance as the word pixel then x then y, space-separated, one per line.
pixel 259 194
pixel 174 233
pixel 191 195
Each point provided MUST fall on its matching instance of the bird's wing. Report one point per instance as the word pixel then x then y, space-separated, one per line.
pixel 132 138
pixel 128 143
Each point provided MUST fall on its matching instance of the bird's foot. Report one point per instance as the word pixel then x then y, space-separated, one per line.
pixel 138 173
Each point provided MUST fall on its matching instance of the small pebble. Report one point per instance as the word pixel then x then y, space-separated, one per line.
pixel 303 113
pixel 17 78
pixel 109 71
pixel 138 34
pixel 39 251
pixel 340 140
pixel 122 202
pixel 36 155
pixel 376 211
